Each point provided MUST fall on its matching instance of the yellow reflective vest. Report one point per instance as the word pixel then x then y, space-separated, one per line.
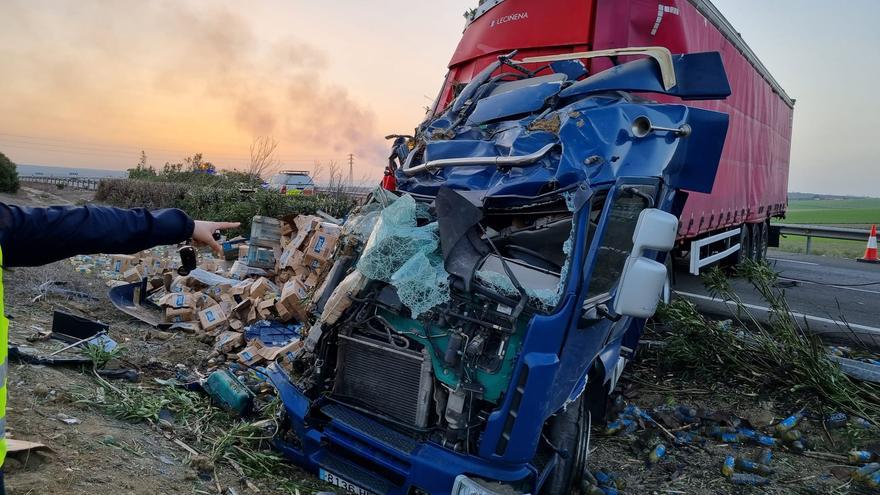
pixel 4 365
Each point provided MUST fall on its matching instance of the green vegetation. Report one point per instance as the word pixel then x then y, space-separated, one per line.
pixel 779 358
pixel 8 175
pixel 857 213
pixel 838 248
pixel 193 170
pixel 834 211
pixel 218 203
pixel 228 442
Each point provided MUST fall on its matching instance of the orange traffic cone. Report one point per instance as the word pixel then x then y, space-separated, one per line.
pixel 871 250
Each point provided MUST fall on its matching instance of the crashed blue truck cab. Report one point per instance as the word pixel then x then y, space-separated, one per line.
pixel 476 320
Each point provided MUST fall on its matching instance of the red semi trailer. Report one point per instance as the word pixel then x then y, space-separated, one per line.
pixel 732 222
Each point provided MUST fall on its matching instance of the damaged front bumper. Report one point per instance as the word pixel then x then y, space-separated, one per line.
pixel 353 451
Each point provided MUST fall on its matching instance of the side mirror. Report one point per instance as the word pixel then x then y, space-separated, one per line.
pixel 643 280
pixel 655 230
pixel 641 287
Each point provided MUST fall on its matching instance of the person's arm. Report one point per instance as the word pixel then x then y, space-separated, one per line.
pixel 36 236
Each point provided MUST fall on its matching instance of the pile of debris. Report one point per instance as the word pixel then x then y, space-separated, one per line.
pixel 252 304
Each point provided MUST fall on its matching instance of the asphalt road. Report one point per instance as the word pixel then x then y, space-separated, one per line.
pixel 837 298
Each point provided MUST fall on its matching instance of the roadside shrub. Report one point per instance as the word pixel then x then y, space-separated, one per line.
pixel 218 204
pixel 127 193
pixel 8 175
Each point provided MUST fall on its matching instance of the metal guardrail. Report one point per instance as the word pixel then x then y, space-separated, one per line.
pixel 86 183
pixel 823 231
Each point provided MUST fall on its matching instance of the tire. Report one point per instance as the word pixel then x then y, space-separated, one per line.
pixel 755 233
pixel 568 430
pixel 745 245
pixel 762 240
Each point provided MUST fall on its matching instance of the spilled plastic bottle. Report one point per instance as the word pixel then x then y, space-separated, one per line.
pixel 752 467
pixel 790 436
pixel 865 472
pixel 789 422
pixel 747 433
pixel 766 441
pixel 657 453
pixel 765 456
pixel 860 456
pixel 619 425
pixel 836 420
pixel 728 466
pixel 685 414
pixel 861 422
pixel 749 479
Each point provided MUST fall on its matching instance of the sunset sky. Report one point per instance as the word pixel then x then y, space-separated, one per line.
pixel 91 83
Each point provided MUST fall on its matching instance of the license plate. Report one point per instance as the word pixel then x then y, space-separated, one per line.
pixel 346 485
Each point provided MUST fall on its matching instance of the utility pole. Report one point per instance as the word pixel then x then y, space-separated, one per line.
pixel 351 170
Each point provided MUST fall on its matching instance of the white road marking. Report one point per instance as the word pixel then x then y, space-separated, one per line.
pixel 795 261
pixel 856 289
pixel 818 319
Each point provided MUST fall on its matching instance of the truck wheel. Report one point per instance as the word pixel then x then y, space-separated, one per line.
pixel 762 240
pixel 755 233
pixel 568 430
pixel 745 244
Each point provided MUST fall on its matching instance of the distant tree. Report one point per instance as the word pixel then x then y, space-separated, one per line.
pixel 263 159
pixel 8 175
pixel 142 170
pixel 196 164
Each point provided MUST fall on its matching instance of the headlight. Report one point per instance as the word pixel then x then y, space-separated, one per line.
pixel 466 486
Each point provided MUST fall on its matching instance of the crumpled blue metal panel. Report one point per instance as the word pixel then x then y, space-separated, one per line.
pixel 526 99
pixel 595 145
pixel 591 123
pixel 699 76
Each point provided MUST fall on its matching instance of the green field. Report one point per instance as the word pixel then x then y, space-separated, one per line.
pixel 844 212
pixel 854 213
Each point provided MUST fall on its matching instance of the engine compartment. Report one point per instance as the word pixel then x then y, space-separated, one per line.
pixel 436 374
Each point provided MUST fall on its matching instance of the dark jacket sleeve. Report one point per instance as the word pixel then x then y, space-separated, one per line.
pixel 36 236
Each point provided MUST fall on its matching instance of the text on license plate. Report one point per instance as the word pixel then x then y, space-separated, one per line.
pixel 346 485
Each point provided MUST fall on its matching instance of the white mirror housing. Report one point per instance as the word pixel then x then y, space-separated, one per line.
pixel 641 287
pixel 655 230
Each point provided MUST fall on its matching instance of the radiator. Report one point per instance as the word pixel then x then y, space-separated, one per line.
pixel 390 381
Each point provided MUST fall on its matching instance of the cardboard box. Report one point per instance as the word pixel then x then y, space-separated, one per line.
pixel 260 287
pixel 242 288
pixel 229 341
pixel 179 315
pixel 321 245
pixel 270 353
pixel 133 274
pixel 120 263
pixel 261 257
pixel 264 308
pixel 177 300
pixel 236 324
pixel 311 281
pixel 330 228
pixel 212 317
pixel 250 355
pixel 296 288
pixel 286 228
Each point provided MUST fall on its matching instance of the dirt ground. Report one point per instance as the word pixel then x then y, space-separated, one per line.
pixel 696 469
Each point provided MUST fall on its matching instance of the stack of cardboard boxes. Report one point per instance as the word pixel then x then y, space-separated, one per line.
pixel 272 278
